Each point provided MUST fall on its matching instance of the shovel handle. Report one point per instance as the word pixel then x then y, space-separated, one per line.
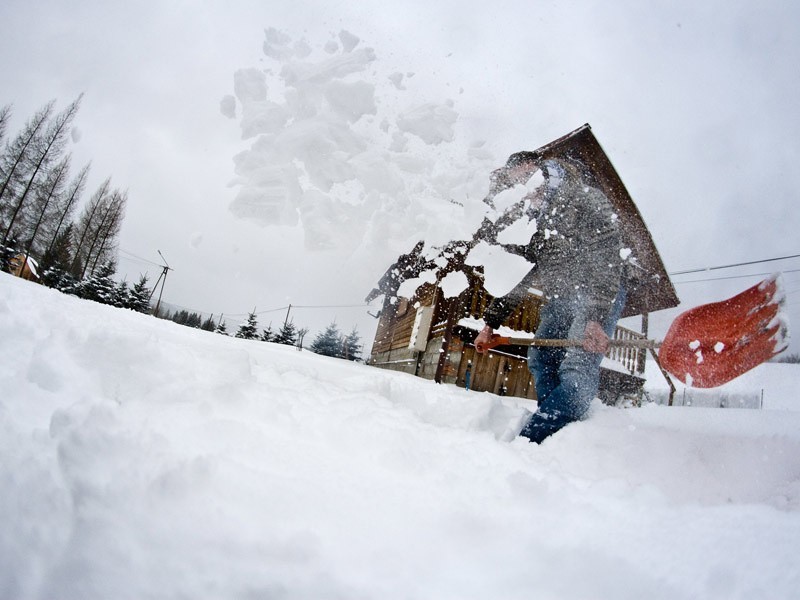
pixel 498 340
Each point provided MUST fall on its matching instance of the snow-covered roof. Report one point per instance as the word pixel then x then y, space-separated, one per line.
pixel 653 290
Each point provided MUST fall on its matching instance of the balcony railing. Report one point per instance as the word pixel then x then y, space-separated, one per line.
pixel 632 359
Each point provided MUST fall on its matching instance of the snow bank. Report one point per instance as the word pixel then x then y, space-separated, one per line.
pixel 144 459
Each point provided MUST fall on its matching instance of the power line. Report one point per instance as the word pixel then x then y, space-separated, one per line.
pixel 731 277
pixel 281 308
pixel 742 264
pixel 333 306
pixel 144 260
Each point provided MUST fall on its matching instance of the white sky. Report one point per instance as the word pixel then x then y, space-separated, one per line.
pixel 695 104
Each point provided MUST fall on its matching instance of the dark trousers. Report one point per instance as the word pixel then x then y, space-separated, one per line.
pixel 566 379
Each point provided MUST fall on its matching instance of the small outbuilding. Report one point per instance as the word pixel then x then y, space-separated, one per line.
pixel 22 265
pixel 431 335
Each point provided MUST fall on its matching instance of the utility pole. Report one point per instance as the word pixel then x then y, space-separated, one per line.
pixel 163 279
pixel 286 320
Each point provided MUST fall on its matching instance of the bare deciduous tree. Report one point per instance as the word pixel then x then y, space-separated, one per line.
pixel 106 242
pixel 98 228
pixel 5 117
pixel 16 160
pixel 45 202
pixel 66 207
pixel 46 149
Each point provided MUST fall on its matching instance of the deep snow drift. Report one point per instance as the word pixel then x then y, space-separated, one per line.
pixel 143 459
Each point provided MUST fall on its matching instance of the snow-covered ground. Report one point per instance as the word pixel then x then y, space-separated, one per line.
pixel 143 459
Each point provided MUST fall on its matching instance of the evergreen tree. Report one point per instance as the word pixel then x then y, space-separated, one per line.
pixel 55 265
pixel 287 334
pixel 208 324
pixel 121 296
pixel 7 254
pixel 140 296
pixel 100 287
pixel 329 342
pixel 351 345
pixel 57 258
pixel 267 335
pixel 249 329
pixel 221 328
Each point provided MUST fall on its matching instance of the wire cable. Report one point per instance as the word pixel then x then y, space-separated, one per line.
pixel 742 264
pixel 731 277
pixel 144 260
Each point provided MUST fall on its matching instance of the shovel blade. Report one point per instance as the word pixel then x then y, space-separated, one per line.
pixel 712 344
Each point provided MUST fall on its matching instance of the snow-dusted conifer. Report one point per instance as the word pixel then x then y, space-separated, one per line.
pixel 101 286
pixel 140 296
pixel 328 342
pixel 267 335
pixel 249 329
pixel 121 296
pixel 287 334
pixel 351 345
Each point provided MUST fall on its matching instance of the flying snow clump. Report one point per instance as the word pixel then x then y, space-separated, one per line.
pixel 340 146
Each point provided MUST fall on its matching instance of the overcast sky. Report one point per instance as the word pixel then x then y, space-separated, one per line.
pixel 694 102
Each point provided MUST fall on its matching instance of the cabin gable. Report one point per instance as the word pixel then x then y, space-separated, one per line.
pixel 431 336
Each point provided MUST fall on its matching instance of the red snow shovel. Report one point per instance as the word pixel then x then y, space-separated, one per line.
pixel 711 344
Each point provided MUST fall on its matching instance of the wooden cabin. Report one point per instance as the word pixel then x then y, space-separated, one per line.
pixel 431 336
pixel 24 266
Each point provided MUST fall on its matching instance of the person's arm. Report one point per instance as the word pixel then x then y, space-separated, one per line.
pixel 500 308
pixel 484 337
pixel 594 338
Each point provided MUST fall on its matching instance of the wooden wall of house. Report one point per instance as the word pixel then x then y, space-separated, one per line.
pixel 524 318
pixel 495 372
pixel 20 267
pixel 397 321
pixel 504 371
